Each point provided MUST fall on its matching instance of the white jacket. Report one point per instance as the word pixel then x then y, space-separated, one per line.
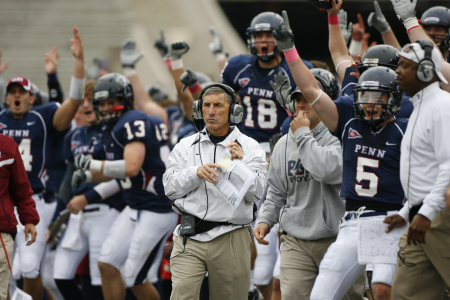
pixel 197 196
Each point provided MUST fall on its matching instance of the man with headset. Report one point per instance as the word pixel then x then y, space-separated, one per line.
pixel 219 237
pixel 424 263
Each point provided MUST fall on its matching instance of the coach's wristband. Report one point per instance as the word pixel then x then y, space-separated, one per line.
pixel 333 19
pixel 291 54
pixel 77 88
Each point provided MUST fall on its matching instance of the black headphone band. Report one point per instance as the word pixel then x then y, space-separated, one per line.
pixel 427 46
pixel 227 89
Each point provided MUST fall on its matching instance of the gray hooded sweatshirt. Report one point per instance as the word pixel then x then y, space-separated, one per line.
pixel 305 177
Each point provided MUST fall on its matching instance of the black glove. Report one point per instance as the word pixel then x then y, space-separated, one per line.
pixel 161 45
pixel 189 79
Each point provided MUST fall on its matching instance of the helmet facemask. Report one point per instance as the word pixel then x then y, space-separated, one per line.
pixel 369 106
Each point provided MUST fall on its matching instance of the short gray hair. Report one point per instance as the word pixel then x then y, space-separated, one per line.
pixel 218 90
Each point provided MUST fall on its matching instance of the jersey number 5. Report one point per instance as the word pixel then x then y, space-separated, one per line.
pixel 361 175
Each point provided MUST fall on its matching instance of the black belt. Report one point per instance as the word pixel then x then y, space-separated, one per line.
pixel 91 209
pixel 413 211
pixel 191 225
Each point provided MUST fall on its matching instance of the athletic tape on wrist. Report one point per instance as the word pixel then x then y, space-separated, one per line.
pixel 128 71
pixel 355 47
pixel 114 168
pixel 96 165
pixel 195 88
pixel 77 88
pixel 291 54
pixel 333 19
pixel 317 99
pixel 177 64
pixel 410 24
pixel 107 189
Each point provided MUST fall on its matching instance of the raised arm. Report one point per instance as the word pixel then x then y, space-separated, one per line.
pixel 216 48
pixel 142 100
pixel 406 12
pixel 64 115
pixel 336 41
pixel 51 66
pixel 305 80
pixel 378 20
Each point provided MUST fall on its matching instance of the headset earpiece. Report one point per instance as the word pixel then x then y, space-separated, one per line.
pixel 291 105
pixel 425 67
pixel 236 111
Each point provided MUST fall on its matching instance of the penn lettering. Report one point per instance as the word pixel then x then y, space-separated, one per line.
pixel 369 151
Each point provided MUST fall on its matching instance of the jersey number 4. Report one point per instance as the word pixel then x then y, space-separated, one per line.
pixel 371 177
pixel 25 152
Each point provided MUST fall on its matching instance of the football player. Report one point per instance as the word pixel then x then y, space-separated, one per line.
pixel 250 76
pixel 370 136
pixel 32 130
pixel 136 239
pixel 436 22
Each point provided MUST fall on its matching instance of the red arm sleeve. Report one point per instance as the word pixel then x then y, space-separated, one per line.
pixel 21 192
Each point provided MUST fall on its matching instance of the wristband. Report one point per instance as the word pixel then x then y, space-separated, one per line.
pixel 96 165
pixel 291 54
pixel 128 71
pixel 194 88
pixel 88 176
pixel 107 189
pixel 114 168
pixel 333 19
pixel 177 64
pixel 410 24
pixel 77 88
pixel 317 99
pixel 168 63
pixel 220 56
pixel 355 47
pixel 339 64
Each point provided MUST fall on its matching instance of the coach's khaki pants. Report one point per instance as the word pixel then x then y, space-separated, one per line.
pixel 4 268
pixel 226 259
pixel 300 260
pixel 424 272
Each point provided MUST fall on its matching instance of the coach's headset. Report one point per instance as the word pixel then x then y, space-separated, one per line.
pixel 425 67
pixel 236 111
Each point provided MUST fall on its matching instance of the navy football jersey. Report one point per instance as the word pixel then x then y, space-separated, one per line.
pixel 31 133
pixel 87 140
pixel 371 170
pixel 144 191
pixel 162 135
pixel 263 115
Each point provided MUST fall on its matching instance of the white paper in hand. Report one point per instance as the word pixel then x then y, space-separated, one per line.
pixel 20 295
pixel 375 245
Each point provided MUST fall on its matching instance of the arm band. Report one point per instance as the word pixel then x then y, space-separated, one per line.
pixel 77 88
pixel 177 64
pixel 96 165
pixel 107 189
pixel 114 168
pixel 291 55
pixel 168 63
pixel 410 24
pixel 333 19
pixel 355 47
pixel 339 64
pixel 194 88
pixel 317 99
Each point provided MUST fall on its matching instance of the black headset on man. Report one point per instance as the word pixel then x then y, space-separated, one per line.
pixel 236 111
pixel 425 67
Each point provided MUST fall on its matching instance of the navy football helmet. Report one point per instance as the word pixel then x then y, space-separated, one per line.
pixel 438 16
pixel 112 86
pixel 328 81
pixel 379 55
pixel 371 86
pixel 264 22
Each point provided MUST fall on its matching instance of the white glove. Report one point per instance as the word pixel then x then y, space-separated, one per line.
pixel 128 55
pixel 405 9
pixel 346 30
pixel 282 88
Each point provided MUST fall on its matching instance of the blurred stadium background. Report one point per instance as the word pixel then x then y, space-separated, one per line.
pixel 29 28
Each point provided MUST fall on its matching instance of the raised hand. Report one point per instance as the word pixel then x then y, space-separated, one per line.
pixel 347 30
pixel 128 55
pixel 189 79
pixel 161 45
pixel 405 9
pixel 216 46
pixel 51 61
pixel 4 66
pixel 281 88
pixel 358 29
pixel 76 46
pixel 335 6
pixel 378 20
pixel 284 37
pixel 177 49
